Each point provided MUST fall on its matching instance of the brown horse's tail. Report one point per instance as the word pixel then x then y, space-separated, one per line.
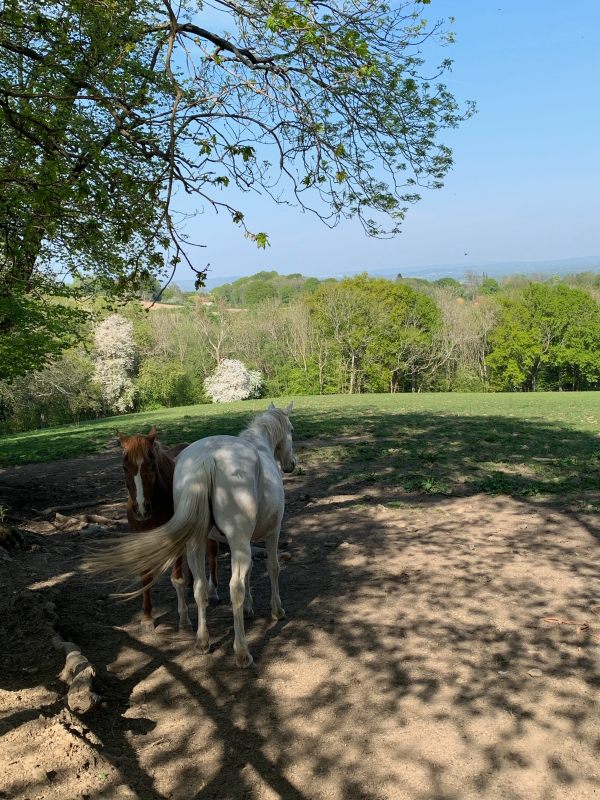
pixel 155 551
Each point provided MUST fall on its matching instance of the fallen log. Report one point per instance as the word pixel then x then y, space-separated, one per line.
pixel 70 507
pixel 81 521
pixel 71 523
pixel 78 674
pixel 100 520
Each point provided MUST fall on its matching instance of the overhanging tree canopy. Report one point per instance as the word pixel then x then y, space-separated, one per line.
pixel 110 109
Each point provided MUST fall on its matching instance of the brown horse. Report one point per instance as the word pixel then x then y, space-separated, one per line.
pixel 149 477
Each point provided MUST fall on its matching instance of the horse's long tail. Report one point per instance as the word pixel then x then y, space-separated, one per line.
pixel 155 551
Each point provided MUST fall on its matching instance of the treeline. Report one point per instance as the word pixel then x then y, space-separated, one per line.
pixel 359 334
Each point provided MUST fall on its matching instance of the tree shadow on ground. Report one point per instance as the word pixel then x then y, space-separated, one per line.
pixel 459 454
pixel 415 661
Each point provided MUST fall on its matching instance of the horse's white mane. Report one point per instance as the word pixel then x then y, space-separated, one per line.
pixel 270 423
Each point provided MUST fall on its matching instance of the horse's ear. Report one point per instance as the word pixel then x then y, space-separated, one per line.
pixel 271 406
pixel 123 438
pixel 151 436
pixel 288 409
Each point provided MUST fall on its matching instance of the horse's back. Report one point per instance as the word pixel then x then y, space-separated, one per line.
pixel 218 444
pixel 174 451
pixel 233 457
pixel 244 492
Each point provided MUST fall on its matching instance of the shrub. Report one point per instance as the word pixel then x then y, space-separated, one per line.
pixel 232 381
pixel 115 361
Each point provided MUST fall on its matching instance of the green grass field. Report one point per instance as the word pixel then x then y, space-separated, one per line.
pixel 523 444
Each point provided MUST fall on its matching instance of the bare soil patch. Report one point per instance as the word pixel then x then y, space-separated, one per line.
pixel 414 663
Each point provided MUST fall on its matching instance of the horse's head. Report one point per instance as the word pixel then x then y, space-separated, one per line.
pixel 139 465
pixel 284 449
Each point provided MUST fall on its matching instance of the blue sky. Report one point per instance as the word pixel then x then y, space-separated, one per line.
pixel 526 178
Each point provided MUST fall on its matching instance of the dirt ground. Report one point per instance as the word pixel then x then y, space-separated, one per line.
pixel 415 662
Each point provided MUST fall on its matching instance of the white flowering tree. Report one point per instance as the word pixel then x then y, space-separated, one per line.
pixel 115 354
pixel 232 381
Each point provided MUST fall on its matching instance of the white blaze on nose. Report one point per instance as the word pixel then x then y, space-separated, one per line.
pixel 139 489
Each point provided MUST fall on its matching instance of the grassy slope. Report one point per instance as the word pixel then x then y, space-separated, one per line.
pixel 520 443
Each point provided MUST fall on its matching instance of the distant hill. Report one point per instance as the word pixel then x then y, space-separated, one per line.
pixel 433 272
pixel 497 269
pixel 211 283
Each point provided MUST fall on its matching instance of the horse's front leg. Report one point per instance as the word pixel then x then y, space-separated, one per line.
pixel 195 559
pixel 147 623
pixel 241 561
pixel 178 581
pixel 271 542
pixel 213 554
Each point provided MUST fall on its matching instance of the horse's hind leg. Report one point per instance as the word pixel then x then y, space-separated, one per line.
pixel 248 604
pixel 271 542
pixel 147 621
pixel 195 559
pixel 213 554
pixel 241 561
pixel 189 582
pixel 178 582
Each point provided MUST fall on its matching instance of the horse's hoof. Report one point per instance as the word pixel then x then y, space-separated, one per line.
pixel 147 626
pixel 278 614
pixel 244 660
pixel 202 647
pixel 185 625
pixel 214 600
pixel 249 613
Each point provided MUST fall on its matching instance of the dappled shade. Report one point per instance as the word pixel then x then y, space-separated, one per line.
pixel 415 661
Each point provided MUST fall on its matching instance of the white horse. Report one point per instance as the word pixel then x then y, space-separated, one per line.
pixel 234 484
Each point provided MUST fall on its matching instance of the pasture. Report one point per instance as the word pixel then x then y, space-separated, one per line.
pixel 441 548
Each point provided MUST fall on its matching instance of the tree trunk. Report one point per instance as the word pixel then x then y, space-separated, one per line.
pixel 321 377
pixel 534 374
pixel 22 249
